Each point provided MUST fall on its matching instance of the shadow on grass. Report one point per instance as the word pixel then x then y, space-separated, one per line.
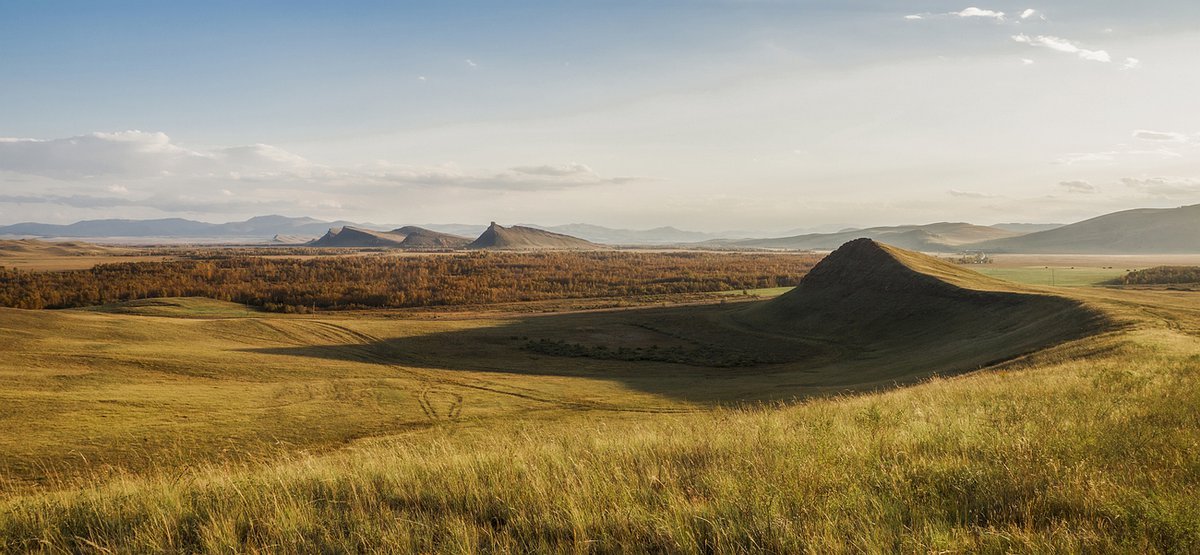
pixel 709 353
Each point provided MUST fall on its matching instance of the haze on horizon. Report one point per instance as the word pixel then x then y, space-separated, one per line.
pixel 706 115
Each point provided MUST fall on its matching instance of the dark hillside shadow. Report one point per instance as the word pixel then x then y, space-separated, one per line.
pixel 709 353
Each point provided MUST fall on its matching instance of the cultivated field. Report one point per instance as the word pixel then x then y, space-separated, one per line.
pixel 1033 419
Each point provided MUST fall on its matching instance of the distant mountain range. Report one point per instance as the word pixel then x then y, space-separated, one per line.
pixel 943 236
pixel 299 230
pixel 1175 230
pixel 263 227
pixel 1027 228
pixel 1143 231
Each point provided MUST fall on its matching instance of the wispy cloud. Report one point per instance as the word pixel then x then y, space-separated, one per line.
pixel 971 12
pixel 135 154
pixel 1114 155
pixel 1160 136
pixel 970 194
pixel 1079 187
pixel 1164 187
pixel 1063 45
pixel 223 178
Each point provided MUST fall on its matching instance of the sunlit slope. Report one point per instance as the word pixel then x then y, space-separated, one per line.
pixel 29 247
pixel 903 309
pixel 1141 231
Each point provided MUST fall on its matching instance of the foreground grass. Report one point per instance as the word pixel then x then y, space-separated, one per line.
pixel 1090 447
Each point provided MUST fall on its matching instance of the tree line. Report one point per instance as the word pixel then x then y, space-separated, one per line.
pixel 1162 275
pixel 384 281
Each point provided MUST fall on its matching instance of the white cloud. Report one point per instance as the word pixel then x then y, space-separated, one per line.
pixel 971 12
pixel 977 12
pixel 1113 155
pixel 519 178
pixel 1079 187
pixel 134 154
pixel 1063 45
pixel 1164 136
pixel 1165 187
pixel 1131 63
pixel 471 63
pixel 1026 61
pixel 1029 13
pixel 1080 157
pixel 220 179
pixel 970 194
pixel 563 170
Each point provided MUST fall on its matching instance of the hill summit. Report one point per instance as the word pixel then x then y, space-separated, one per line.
pixel 867 297
pixel 521 238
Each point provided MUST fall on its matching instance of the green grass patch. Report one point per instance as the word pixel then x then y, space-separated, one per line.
pixel 1060 277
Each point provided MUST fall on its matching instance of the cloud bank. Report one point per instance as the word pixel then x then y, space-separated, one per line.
pixel 148 169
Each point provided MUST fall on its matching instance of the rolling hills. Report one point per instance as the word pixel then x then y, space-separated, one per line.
pixel 524 238
pixel 943 236
pixel 1141 231
pixel 31 247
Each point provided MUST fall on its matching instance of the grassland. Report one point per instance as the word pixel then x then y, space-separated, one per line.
pixel 1060 277
pixel 194 425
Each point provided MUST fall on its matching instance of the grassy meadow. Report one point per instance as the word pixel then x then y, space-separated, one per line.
pixel 1065 276
pixel 189 425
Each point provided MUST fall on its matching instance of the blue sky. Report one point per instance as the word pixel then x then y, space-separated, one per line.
pixel 707 115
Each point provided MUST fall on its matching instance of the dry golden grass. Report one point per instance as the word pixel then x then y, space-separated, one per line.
pixel 194 426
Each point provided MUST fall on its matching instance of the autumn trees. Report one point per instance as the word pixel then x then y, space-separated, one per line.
pixel 382 280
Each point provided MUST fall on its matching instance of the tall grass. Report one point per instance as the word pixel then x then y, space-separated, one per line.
pixel 1070 453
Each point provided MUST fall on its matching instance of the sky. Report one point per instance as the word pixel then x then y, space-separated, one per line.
pixel 700 114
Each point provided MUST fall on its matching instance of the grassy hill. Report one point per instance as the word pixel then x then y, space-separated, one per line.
pixel 188 425
pixel 523 238
pixel 1142 231
pixel 896 304
pixel 937 237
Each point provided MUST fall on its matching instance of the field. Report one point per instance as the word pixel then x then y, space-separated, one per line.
pixel 1067 422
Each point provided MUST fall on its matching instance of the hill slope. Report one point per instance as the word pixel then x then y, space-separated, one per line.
pixel 876 301
pixel 943 236
pixel 1140 231
pixel 419 237
pixel 611 236
pixel 523 238
pixel 408 237
pixel 28 247
pixel 357 237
